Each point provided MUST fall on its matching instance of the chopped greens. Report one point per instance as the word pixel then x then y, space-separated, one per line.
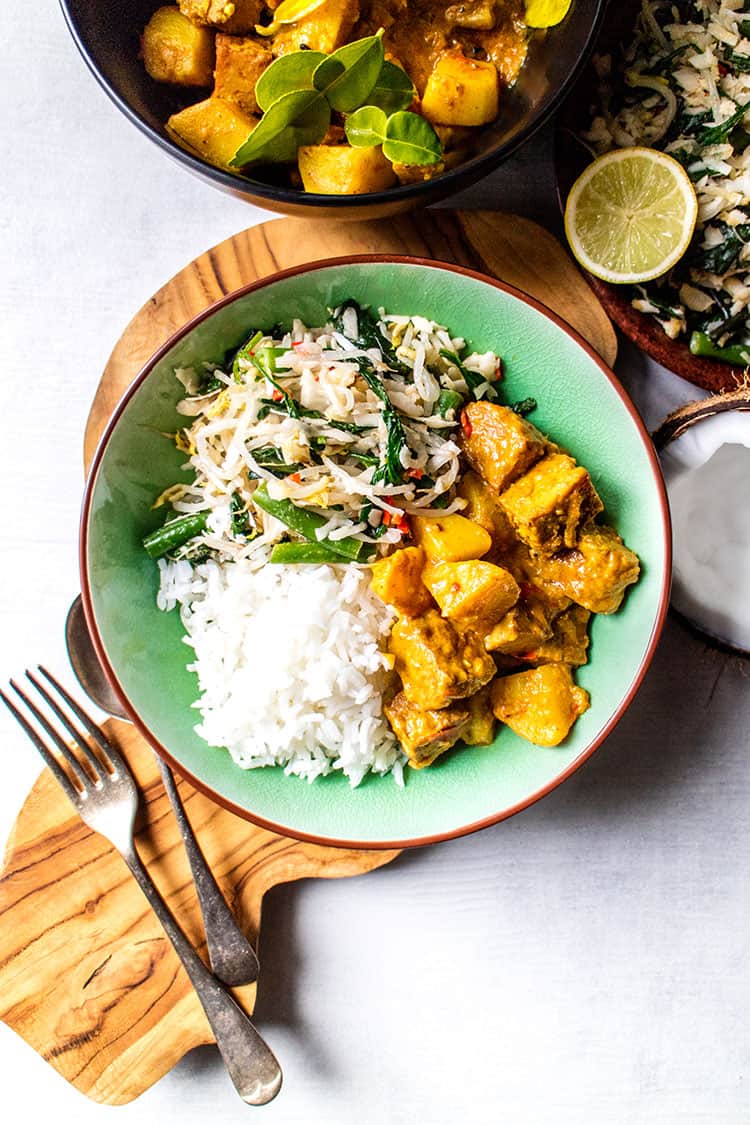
pixel 322 444
pixel 699 52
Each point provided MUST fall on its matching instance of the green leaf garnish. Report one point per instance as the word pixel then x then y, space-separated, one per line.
pixel 393 89
pixel 406 137
pixel 348 75
pixel 298 91
pixel 300 117
pixel 410 139
pixel 366 127
pixel 286 74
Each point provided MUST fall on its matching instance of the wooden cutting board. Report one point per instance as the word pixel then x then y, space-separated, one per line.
pixel 87 976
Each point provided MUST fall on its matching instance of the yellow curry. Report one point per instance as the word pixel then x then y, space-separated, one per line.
pixel 494 604
pixel 459 57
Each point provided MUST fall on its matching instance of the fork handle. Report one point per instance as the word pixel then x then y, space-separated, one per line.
pixel 232 957
pixel 252 1066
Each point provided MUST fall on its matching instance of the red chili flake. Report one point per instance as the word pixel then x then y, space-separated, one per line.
pixel 276 395
pixel 723 69
pixel 465 424
pixel 498 370
pixel 415 474
pixel 387 518
pixel 298 344
pixel 528 589
pixel 296 478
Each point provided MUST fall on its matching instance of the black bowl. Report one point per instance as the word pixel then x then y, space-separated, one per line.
pixel 107 37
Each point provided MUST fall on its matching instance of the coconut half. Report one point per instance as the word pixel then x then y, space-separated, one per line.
pixel 704 449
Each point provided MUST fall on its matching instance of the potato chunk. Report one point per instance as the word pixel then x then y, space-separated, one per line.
pixel 597 572
pixel 474 594
pixel 480 730
pixel 437 662
pixel 569 641
pixel 461 91
pixel 550 503
pixel 499 444
pixel 176 51
pixel 397 580
pixel 239 64
pixel 325 29
pixel 214 129
pixel 424 735
pixel 238 17
pixel 344 170
pixel 541 705
pixel 450 538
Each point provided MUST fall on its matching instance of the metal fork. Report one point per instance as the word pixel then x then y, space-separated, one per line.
pixel 104 793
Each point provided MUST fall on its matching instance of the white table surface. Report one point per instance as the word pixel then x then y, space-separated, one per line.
pixel 585 962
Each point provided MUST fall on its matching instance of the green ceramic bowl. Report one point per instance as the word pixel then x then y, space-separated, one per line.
pixel 581 405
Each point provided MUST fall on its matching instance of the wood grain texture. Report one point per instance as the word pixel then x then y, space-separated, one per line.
pixel 87 976
pixel 513 249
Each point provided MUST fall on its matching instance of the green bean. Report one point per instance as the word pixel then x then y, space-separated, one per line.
pixel 174 533
pixel 305 523
pixel 448 400
pixel 737 354
pixel 304 553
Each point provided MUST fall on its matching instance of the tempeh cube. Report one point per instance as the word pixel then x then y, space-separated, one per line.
pixel 239 64
pixel 499 444
pixel 597 572
pixel 521 630
pixel 569 641
pixel 238 17
pixel 437 662
pixel 424 735
pixel 550 503
pixel 540 705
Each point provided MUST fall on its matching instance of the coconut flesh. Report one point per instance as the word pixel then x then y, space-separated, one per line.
pixel 706 469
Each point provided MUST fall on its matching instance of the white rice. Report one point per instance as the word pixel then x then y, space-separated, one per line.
pixel 291 664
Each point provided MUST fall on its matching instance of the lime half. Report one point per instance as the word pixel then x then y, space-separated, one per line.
pixel 630 215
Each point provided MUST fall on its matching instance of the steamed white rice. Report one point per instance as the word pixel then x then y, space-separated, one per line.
pixel 291 664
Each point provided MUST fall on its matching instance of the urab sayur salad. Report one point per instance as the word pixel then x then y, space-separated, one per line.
pixel 377 556
pixel 682 84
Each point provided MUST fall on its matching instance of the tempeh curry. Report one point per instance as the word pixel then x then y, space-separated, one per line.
pixel 460 57
pixel 494 603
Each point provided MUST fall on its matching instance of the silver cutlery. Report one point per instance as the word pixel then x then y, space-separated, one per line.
pixel 103 792
pixel 232 958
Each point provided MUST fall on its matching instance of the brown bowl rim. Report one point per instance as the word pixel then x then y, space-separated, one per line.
pixel 585 754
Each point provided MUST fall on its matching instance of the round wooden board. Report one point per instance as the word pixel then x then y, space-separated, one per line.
pixel 87 976
pixel 504 246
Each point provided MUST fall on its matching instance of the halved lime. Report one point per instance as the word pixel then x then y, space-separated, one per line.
pixel 630 215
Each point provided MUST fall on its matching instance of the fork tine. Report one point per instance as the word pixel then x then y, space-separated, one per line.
pixel 90 764
pixel 111 755
pixel 46 753
pixel 72 762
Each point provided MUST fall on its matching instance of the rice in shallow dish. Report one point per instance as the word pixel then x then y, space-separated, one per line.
pixel 290 664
